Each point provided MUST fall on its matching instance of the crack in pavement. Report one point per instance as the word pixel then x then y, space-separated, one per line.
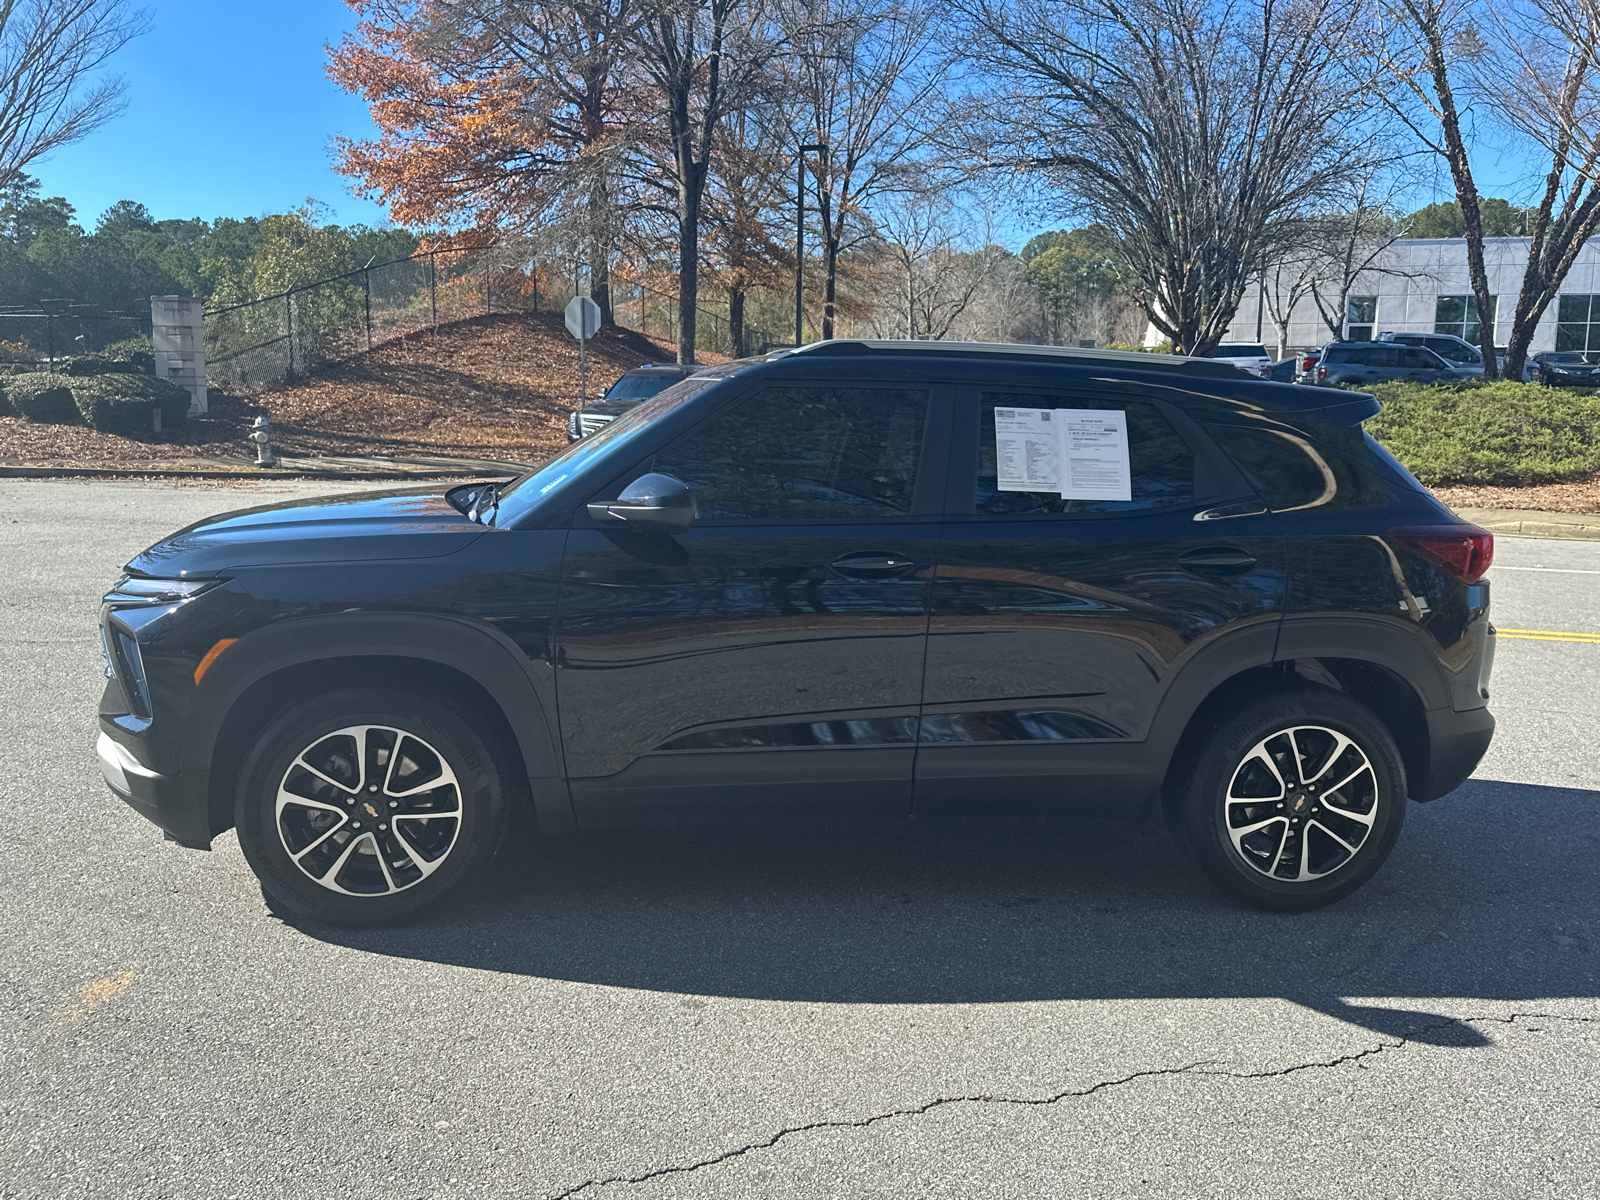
pixel 1196 1068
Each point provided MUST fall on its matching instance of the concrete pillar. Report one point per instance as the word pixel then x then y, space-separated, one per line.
pixel 178 331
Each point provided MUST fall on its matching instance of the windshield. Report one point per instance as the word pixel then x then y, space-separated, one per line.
pixel 1569 356
pixel 1240 350
pixel 640 387
pixel 521 495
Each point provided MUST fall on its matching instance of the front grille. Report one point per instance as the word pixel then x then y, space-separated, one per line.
pixel 589 422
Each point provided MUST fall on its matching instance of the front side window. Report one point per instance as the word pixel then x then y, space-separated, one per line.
pixel 804 453
pixel 1160 463
pixel 1458 315
pixel 1361 314
pixel 1578 323
pixel 1418 358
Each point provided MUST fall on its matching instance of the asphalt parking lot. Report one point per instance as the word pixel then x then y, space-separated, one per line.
pixel 861 1011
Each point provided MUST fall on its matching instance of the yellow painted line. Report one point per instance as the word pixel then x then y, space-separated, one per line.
pixel 1549 635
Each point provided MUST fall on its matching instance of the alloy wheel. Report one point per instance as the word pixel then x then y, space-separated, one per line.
pixel 1301 803
pixel 368 810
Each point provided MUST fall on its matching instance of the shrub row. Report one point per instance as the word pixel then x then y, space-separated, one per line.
pixel 1495 433
pixel 116 402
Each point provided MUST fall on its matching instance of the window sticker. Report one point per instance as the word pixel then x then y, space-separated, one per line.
pixel 1027 451
pixel 1080 453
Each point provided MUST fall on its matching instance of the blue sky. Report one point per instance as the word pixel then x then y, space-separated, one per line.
pixel 241 83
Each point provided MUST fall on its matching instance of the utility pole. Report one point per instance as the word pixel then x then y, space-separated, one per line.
pixel 800 238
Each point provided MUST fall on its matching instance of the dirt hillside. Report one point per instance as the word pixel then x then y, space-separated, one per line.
pixel 496 387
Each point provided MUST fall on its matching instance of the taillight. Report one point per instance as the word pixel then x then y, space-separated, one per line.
pixel 1322 372
pixel 1464 551
pixel 1307 363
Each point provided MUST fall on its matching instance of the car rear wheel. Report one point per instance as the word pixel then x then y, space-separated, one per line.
pixel 1294 802
pixel 363 806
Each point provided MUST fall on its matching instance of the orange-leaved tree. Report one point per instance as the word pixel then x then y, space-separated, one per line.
pixel 494 119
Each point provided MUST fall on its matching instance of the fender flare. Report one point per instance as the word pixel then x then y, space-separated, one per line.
pixel 1394 643
pixel 483 654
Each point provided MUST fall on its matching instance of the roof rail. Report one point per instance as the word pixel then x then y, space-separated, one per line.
pixel 1138 360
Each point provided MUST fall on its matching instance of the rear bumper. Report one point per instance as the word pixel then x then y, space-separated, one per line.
pixel 1457 742
pixel 175 803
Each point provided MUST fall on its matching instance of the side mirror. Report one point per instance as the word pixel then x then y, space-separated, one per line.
pixel 650 502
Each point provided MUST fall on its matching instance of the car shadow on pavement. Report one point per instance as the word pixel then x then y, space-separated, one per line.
pixel 1490 894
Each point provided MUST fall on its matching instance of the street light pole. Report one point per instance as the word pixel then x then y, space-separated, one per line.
pixel 800 239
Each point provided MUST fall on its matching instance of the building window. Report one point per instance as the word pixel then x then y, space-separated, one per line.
pixel 1459 315
pixel 1578 323
pixel 1360 315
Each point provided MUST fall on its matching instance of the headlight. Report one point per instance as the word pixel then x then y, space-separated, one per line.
pixel 131 589
pixel 573 425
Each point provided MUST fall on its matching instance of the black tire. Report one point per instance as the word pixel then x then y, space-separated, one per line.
pixel 439 812
pixel 1291 863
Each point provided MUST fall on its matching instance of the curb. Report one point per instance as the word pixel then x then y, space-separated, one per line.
pixel 1528 523
pixel 428 469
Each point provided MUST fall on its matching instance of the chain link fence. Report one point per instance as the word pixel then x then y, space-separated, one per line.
pixel 285 335
pixel 37 337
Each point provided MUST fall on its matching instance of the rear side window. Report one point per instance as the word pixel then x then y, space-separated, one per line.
pixel 1415 357
pixel 1290 471
pixel 1161 463
pixel 804 453
pixel 1384 356
pixel 1341 354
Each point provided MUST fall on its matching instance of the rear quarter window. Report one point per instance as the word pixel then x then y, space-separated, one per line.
pixel 1293 472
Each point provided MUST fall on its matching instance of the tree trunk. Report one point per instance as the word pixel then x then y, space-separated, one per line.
pixel 691 188
pixel 829 283
pixel 600 285
pixel 1466 193
pixel 736 286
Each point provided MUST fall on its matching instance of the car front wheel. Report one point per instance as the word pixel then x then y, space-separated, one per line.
pixel 365 805
pixel 1295 802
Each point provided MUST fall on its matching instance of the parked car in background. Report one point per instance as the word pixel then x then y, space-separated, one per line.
pixel 1461 354
pixel 1247 356
pixel 1566 368
pixel 1285 371
pixel 1306 365
pixel 1362 363
pixel 633 388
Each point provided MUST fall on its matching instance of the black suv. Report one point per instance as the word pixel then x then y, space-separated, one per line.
pixel 634 387
pixel 831 581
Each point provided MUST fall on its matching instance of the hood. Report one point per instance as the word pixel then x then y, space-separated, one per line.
pixel 413 523
pixel 610 408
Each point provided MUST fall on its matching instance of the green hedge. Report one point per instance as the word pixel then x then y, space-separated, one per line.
pixel 42 398
pixel 1498 432
pixel 112 403
pixel 122 403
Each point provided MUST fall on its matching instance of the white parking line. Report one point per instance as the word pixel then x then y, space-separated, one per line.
pixel 1551 570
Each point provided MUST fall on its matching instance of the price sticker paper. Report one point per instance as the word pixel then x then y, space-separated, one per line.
pixel 1077 453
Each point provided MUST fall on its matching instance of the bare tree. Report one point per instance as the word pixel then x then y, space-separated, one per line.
pixel 704 59
pixel 1349 243
pixel 864 73
pixel 1542 81
pixel 1417 46
pixel 938 280
pixel 1283 286
pixel 49 50
pixel 1196 132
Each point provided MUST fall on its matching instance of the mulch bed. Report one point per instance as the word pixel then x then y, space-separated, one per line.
pixel 1580 495
pixel 495 387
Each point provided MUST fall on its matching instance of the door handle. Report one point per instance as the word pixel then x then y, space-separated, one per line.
pixel 1217 558
pixel 873 564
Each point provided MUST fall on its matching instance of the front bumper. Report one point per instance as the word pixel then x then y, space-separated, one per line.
pixel 177 804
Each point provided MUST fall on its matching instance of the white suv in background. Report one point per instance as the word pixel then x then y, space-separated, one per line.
pixel 1247 356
